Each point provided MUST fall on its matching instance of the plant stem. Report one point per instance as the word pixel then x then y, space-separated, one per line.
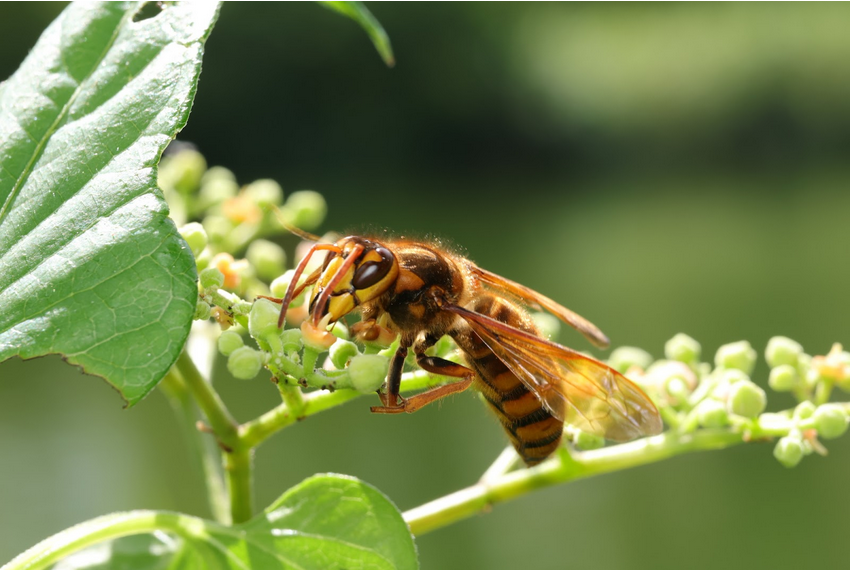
pixel 238 467
pixel 222 423
pixel 562 469
pixel 103 528
pixel 237 456
pixel 204 450
pixel 254 432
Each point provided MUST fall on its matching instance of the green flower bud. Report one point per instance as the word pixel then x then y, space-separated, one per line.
pixel 279 286
pixel 804 410
pixel 195 236
pixel 267 257
pixel 368 372
pixel 789 451
pixel 182 171
pixel 682 348
pixel 217 228
pixel 783 378
pixel 626 357
pixel 340 330
pixel 733 375
pixel 712 413
pixel 262 320
pixel 202 311
pixel 217 190
pixel 291 339
pixel 341 352
pixel 586 441
pixel 217 173
pixel 229 341
pixel 245 362
pixel 782 350
pixel 548 324
pixel 831 420
pixel 738 355
pixel 306 209
pixel 677 389
pixel 203 260
pixel 211 278
pixel 746 399
pixel 265 193
pixel 675 379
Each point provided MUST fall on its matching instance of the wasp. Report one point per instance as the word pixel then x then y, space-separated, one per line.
pixel 421 292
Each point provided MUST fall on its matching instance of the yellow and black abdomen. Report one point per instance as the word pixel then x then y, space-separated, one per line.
pixel 533 431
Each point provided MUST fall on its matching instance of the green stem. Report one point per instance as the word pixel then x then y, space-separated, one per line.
pixel 823 390
pixel 237 456
pixel 565 468
pixel 238 467
pixel 254 432
pixel 293 398
pixel 204 450
pixel 222 423
pixel 108 527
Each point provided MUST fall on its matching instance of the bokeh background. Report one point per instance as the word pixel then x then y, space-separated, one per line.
pixel 658 168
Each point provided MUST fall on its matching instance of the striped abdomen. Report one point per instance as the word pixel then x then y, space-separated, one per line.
pixel 533 431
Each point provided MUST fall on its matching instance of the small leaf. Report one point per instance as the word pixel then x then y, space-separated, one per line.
pixel 91 267
pixel 328 522
pixel 331 521
pixel 360 14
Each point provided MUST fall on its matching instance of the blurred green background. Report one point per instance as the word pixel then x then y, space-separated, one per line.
pixel 658 168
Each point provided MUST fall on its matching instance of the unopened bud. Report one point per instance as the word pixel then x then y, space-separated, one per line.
pixel 195 236
pixel 262 320
pixel 682 348
pixel 229 341
pixel 830 420
pixel 368 372
pixel 789 451
pixel 267 257
pixel 202 311
pixel 783 378
pixel 712 413
pixel 739 355
pixel 245 363
pixel 746 399
pixel 341 352
pixel 782 350
pixel 211 278
pixel 626 357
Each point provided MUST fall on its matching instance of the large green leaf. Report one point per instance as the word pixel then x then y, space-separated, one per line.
pixel 326 522
pixel 91 267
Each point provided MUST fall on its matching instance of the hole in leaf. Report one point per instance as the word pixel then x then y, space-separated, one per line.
pixel 148 10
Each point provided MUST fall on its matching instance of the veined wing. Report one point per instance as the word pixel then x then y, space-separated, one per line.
pixel 537 300
pixel 573 387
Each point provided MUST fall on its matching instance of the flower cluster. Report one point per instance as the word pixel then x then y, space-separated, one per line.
pixel 692 394
pixel 234 221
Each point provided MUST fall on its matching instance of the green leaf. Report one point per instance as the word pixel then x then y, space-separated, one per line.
pixel 360 14
pixel 149 551
pixel 331 521
pixel 91 267
pixel 326 522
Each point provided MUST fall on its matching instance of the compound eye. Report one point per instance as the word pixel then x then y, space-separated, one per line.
pixel 371 272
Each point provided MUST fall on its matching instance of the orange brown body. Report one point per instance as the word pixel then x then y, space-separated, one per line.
pixel 422 292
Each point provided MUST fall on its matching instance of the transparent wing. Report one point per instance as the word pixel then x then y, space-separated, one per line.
pixel 535 299
pixel 573 387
